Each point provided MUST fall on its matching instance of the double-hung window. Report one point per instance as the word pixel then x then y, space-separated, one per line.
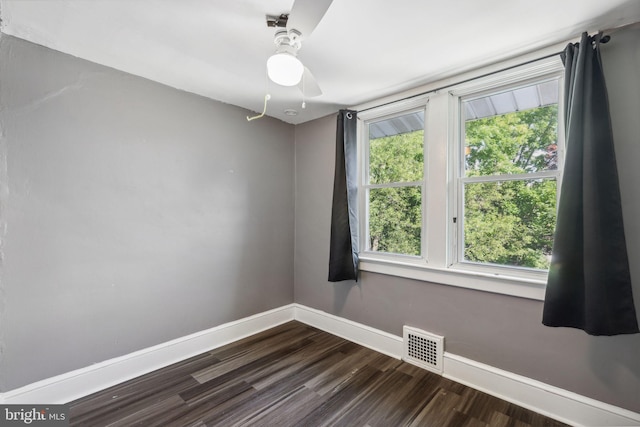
pixel 508 170
pixel 394 184
pixel 464 192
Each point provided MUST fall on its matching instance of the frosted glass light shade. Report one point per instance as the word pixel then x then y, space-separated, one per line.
pixel 284 69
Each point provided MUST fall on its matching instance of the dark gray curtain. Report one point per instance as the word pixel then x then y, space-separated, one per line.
pixel 343 255
pixel 589 285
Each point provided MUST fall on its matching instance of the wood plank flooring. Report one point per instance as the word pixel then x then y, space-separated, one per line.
pixel 296 375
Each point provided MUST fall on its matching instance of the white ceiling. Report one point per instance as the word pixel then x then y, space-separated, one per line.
pixel 360 51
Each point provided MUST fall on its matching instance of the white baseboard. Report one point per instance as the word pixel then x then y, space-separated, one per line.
pixel 554 402
pixel 375 339
pixel 82 382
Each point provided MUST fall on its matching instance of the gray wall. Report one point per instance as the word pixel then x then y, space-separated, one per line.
pixel 131 213
pixel 502 331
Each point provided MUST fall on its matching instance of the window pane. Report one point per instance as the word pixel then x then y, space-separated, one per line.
pixel 395 220
pixel 396 151
pixel 510 222
pixel 512 132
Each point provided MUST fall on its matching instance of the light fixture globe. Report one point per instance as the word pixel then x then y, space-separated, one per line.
pixel 284 69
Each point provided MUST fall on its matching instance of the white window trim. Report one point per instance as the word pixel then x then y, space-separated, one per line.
pixel 438 261
pixel 398 109
pixel 544 71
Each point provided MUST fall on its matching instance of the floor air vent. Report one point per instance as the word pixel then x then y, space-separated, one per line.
pixel 423 349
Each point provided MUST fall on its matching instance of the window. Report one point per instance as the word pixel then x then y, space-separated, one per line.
pixel 464 192
pixel 508 176
pixel 394 185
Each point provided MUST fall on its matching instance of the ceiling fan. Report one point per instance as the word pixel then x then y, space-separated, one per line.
pixel 284 67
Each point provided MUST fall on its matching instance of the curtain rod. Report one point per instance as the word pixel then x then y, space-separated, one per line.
pixel 603 40
pixel 460 82
pixel 622 27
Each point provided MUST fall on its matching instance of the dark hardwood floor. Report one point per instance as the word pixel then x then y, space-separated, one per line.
pixel 296 375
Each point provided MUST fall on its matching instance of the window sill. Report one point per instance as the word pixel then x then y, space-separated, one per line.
pixel 530 288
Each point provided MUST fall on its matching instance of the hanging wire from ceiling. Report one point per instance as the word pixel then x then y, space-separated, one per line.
pixel 267 97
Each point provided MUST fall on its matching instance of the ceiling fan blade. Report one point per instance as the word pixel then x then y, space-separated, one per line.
pixel 306 15
pixel 308 85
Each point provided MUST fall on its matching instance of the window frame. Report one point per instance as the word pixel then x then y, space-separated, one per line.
pixel 377 115
pixel 419 105
pixel 458 141
pixel 440 194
